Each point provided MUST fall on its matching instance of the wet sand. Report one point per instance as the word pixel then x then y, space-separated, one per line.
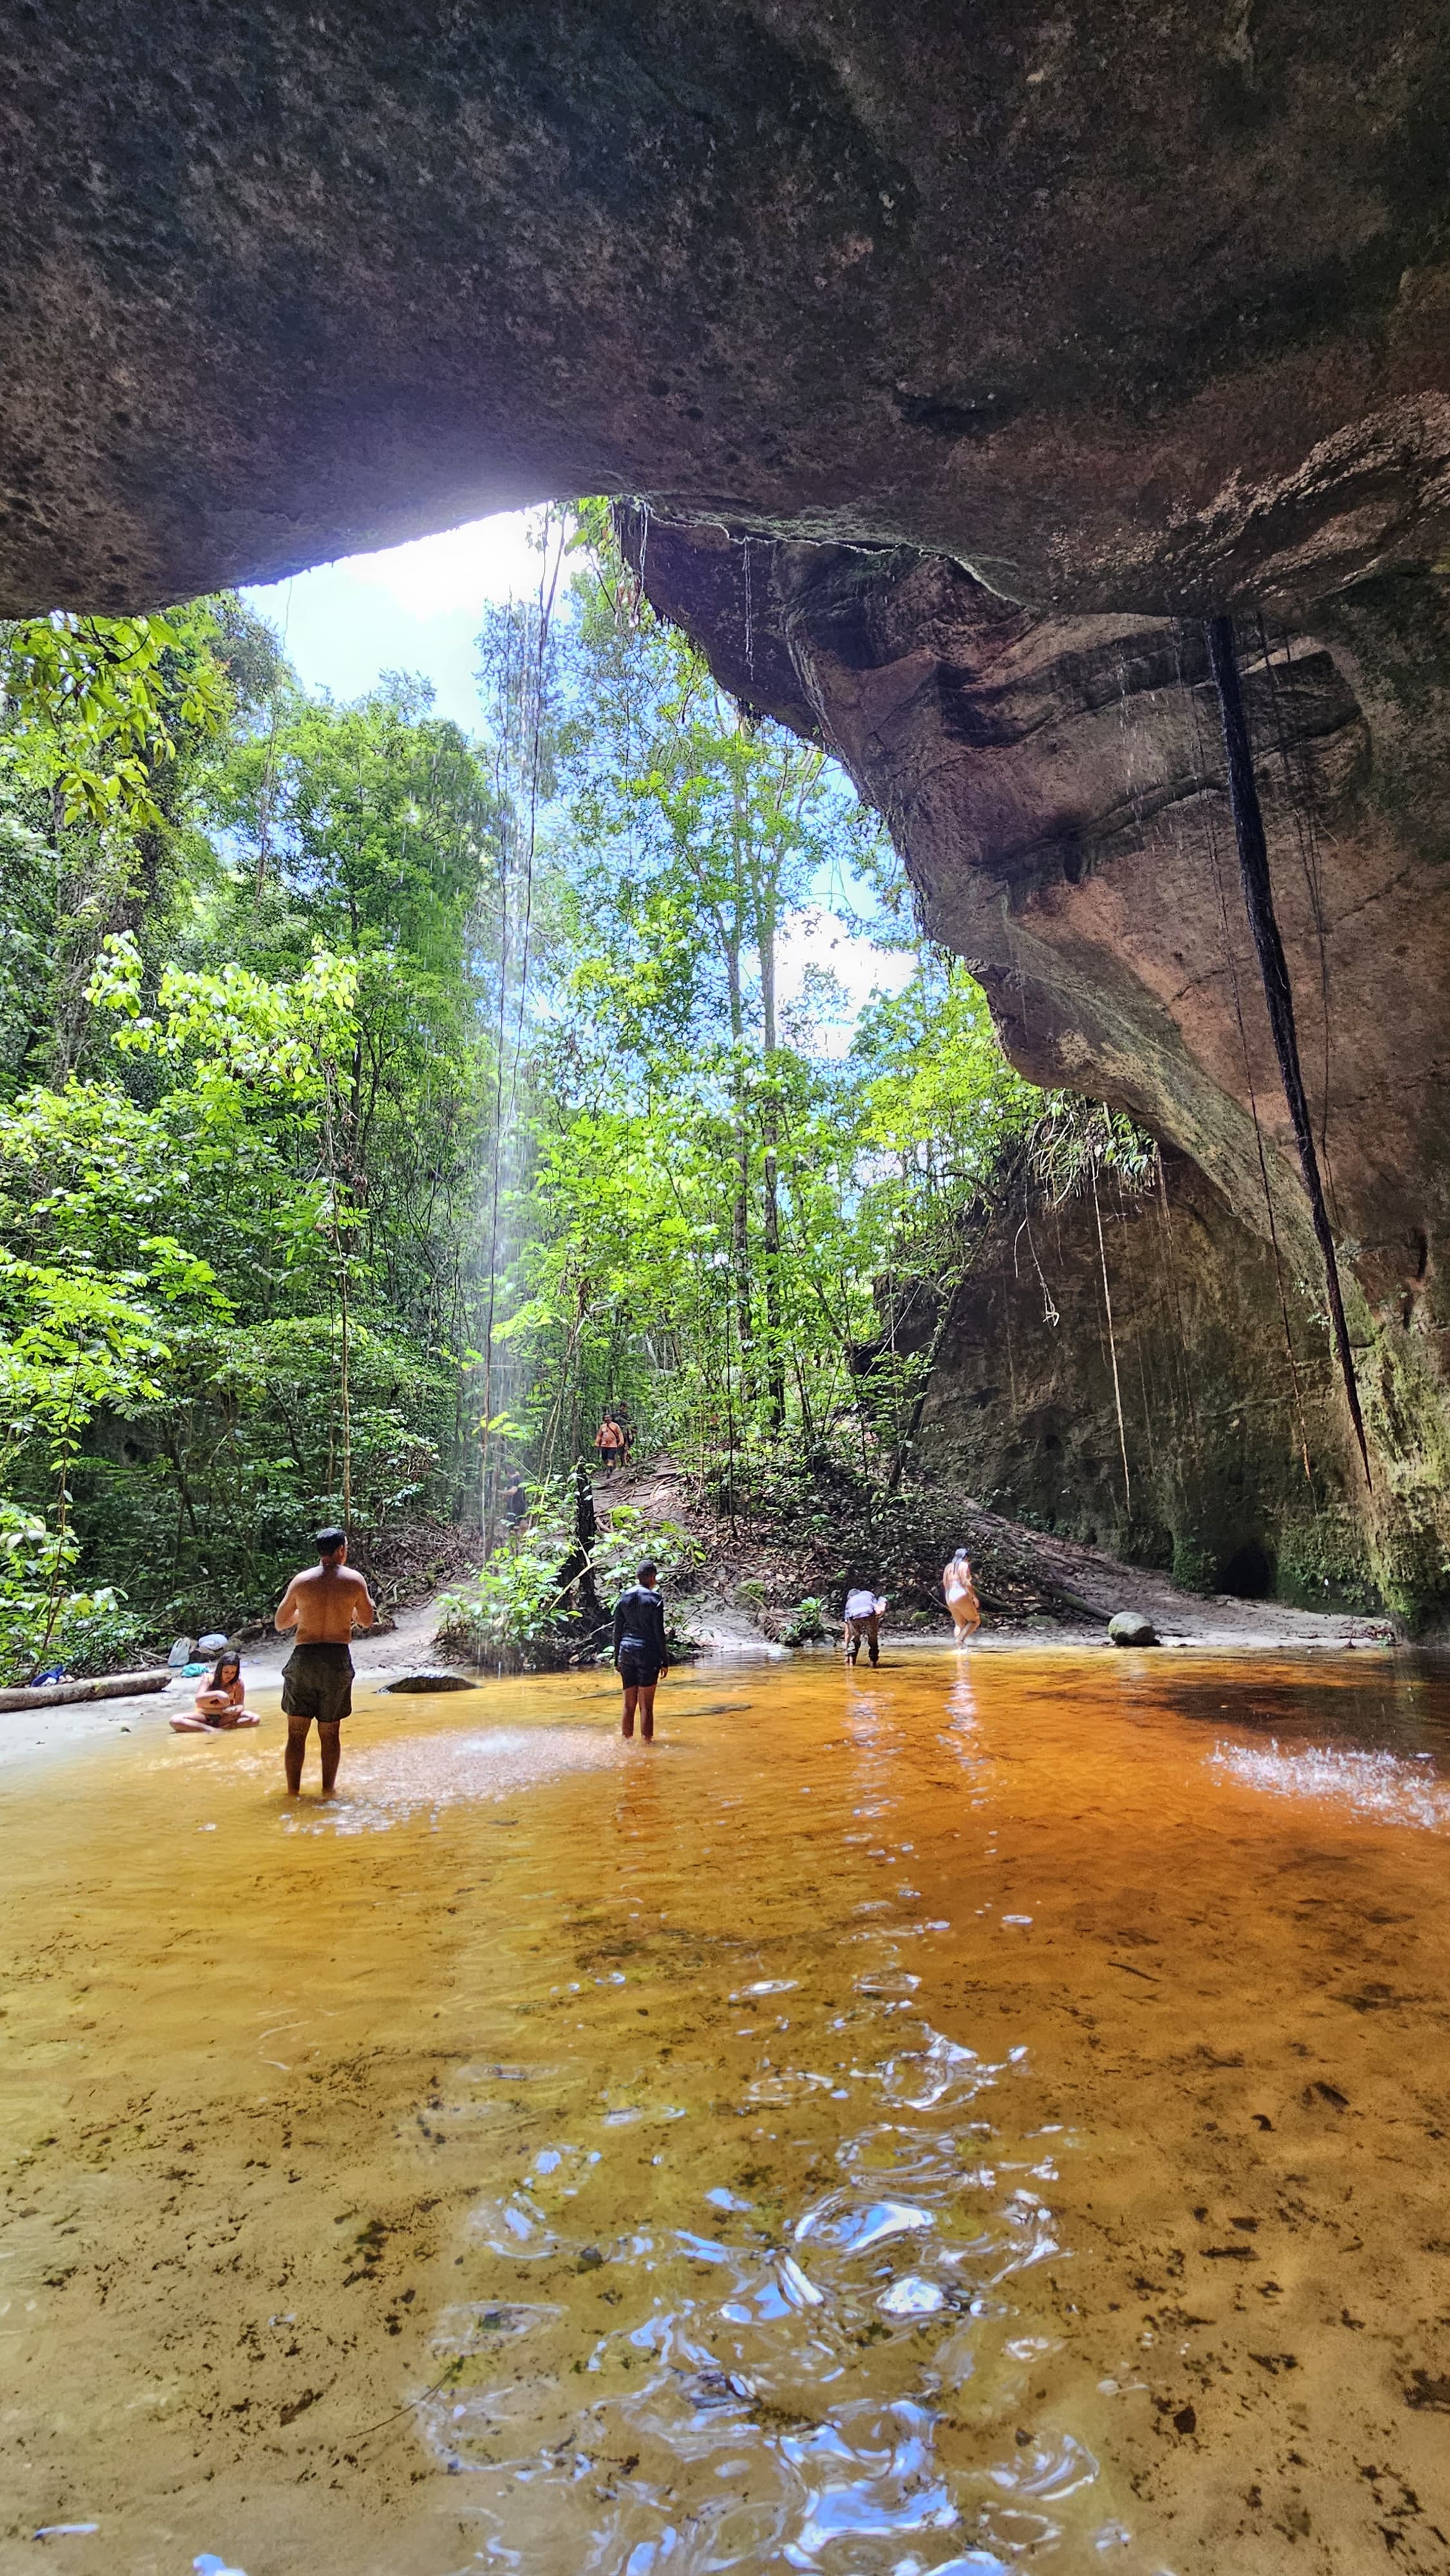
pixel 935 2119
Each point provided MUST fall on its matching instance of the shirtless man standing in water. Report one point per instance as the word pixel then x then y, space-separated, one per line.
pixel 324 1604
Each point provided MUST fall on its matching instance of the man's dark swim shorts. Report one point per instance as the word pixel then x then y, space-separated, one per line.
pixel 637 1672
pixel 317 1682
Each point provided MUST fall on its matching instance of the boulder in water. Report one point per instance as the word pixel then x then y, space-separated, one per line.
pixel 431 1677
pixel 1131 1628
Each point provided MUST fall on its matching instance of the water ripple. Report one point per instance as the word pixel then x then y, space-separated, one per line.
pixel 1382 1787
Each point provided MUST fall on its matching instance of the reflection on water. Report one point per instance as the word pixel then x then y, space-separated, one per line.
pixel 940 2119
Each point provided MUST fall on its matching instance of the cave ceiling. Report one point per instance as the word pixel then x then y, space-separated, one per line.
pixel 1123 306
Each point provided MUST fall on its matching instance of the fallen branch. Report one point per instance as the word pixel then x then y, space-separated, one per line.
pixel 111 1686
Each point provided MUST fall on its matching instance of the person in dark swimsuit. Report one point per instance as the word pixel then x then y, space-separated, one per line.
pixel 640 1652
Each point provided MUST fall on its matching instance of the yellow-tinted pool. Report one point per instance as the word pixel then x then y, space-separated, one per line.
pixel 953 2117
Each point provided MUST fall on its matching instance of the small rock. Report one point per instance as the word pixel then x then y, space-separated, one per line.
pixel 428 1679
pixel 1131 1628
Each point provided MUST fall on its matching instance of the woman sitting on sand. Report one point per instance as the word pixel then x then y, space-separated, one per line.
pixel 220 1702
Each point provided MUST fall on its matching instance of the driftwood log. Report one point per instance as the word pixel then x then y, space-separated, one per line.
pixel 112 1686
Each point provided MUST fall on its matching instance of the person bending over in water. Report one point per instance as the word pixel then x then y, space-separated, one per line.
pixel 640 1652
pixel 862 1620
pixel 961 1593
pixel 324 1604
pixel 220 1702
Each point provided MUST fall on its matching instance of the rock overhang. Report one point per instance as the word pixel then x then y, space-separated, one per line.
pixel 1124 307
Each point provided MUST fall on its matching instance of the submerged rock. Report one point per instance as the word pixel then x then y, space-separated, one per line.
pixel 1131 1628
pixel 431 1678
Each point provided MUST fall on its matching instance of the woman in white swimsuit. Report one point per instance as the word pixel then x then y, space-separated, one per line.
pixel 961 1596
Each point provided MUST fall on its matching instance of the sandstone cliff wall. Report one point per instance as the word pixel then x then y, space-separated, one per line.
pixel 1056 787
pixel 1022 1409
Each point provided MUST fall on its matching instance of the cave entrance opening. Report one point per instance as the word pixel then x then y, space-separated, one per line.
pixel 1249 1573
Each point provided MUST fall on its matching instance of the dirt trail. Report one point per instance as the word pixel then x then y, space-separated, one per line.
pixel 1222 1620
pixel 1057 1569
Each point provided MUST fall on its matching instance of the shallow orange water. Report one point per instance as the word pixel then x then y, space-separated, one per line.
pixel 928 2120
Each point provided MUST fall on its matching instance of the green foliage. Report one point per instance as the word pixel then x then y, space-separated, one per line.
pixel 34 1562
pixel 1193 1564
pixel 248 1074
pixel 634 1538
pixel 42 1624
pixel 723 1212
pixel 514 1610
pixel 1074 1139
pixel 381 1104
pixel 806 1624
pixel 96 1633
pixel 103 702
pixel 510 1607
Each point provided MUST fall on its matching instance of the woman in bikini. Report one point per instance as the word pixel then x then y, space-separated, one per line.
pixel 221 1701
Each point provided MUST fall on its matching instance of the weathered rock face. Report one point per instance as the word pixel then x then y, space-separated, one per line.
pixel 1057 788
pixel 1207 1474
pixel 1119 305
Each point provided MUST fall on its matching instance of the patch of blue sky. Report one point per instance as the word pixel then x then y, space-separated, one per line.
pixel 418 608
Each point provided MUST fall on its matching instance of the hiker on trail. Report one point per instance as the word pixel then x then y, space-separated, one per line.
pixel 221 1702
pixel 862 1621
pixel 961 1596
pixel 640 1652
pixel 324 1604
pixel 610 1442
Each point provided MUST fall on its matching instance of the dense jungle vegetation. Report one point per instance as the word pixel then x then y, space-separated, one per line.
pixel 380 1103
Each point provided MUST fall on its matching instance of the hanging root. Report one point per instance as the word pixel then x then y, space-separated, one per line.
pixel 1112 1338
pixel 1273 967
